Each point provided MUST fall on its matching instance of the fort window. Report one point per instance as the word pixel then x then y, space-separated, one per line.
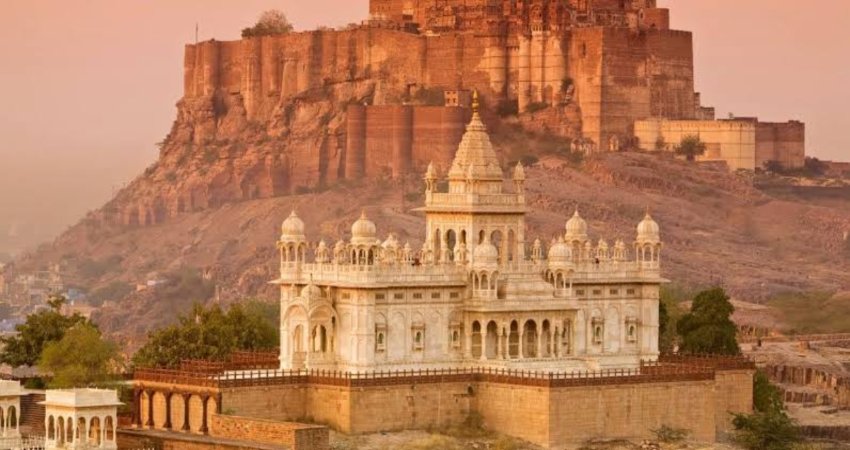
pixel 632 333
pixel 346 295
pixel 630 291
pixel 380 296
pixel 454 295
pixel 614 291
pixel 398 296
pixel 579 291
pixel 435 295
pixel 597 292
pixel 583 50
pixel 417 296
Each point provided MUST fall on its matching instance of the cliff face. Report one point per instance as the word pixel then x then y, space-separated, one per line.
pixel 265 117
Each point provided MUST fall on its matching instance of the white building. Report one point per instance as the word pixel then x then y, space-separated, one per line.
pixel 10 408
pixel 477 293
pixel 81 418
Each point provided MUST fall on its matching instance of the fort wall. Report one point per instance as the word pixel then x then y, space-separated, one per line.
pixel 784 143
pixel 295 435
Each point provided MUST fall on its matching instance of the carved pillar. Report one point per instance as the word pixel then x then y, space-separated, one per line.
pixel 167 424
pixel 186 398
pixel 149 422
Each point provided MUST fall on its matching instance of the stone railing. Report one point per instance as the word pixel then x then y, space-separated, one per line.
pixel 647 373
pixel 509 201
pixel 374 274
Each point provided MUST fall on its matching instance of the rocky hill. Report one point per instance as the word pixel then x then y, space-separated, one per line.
pixel 716 227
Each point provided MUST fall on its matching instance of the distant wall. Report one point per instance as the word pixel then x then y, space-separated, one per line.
pixel 733 142
pixel 395 140
pixel 781 142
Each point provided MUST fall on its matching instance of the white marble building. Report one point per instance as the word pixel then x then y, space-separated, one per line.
pixel 477 293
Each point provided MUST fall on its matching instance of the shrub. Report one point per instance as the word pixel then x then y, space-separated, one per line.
pixel 668 434
pixel 765 431
pixel 270 23
pixel 691 147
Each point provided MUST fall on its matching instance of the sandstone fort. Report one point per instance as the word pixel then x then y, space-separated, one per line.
pixel 298 111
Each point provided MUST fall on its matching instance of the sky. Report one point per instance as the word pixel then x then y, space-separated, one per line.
pixel 87 87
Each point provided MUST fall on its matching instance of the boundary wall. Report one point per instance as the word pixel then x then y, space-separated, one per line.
pixel 553 410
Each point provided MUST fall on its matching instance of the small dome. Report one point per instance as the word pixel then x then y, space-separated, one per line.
pixel 576 229
pixel 602 245
pixel 391 242
pixel 485 255
pixel 648 231
pixel 559 253
pixel 311 292
pixel 292 229
pixel 363 231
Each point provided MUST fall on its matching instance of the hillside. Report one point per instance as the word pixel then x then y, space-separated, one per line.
pixel 716 229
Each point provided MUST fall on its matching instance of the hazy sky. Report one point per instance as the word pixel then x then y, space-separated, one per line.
pixel 88 86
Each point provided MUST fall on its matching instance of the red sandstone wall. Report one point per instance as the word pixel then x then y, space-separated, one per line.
pixel 296 435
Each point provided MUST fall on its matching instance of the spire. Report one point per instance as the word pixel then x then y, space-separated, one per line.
pixel 475 154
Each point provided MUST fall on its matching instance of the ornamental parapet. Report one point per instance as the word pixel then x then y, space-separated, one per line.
pixel 372 275
pixel 442 201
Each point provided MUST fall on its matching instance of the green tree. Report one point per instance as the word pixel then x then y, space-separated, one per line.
pixel 708 327
pixel 81 358
pixel 768 428
pixel 46 326
pixel 690 147
pixel 210 333
pixel 766 397
pixel 270 23
pixel 765 431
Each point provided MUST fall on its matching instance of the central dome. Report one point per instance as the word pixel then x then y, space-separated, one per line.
pixel 648 230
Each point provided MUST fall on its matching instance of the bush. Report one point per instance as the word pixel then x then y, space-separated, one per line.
pixel 668 434
pixel 708 327
pixel 765 431
pixel 691 147
pixel 270 23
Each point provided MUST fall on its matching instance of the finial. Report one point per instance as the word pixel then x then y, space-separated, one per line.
pixel 475 103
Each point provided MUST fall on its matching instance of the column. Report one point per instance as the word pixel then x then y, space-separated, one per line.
pixel 499 344
pixel 186 398
pixel 483 343
pixel 102 431
pixel 204 401
pixel 556 343
pixel 167 424
pixel 539 333
pixel 467 349
pixel 521 333
pixel 149 422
